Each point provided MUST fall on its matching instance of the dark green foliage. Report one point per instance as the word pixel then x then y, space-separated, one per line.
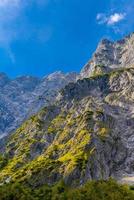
pixel 3 160
pixel 94 190
pixel 15 192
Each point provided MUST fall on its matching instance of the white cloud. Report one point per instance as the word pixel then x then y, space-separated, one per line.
pixel 10 11
pixel 101 18
pixel 111 20
pixel 15 26
pixel 121 11
pixel 115 18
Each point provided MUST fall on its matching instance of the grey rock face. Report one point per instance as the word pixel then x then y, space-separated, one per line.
pixel 92 118
pixel 111 55
pixel 26 95
pixel 88 129
pixel 113 94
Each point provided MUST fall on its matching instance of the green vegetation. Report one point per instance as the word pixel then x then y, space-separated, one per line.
pixel 3 161
pixel 99 70
pixel 32 161
pixel 94 190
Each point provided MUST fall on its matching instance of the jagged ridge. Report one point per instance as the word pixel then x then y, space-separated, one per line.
pixel 26 95
pixel 86 135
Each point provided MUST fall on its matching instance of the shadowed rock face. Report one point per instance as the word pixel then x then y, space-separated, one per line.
pixel 26 95
pixel 111 55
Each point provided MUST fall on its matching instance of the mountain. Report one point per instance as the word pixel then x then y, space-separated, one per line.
pixel 25 95
pixel 110 55
pixel 85 134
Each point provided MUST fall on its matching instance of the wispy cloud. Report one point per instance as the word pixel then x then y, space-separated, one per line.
pixel 110 20
pixel 119 17
pixel 9 12
pixel 115 18
pixel 14 24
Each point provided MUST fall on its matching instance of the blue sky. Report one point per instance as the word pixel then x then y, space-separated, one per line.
pixel 38 37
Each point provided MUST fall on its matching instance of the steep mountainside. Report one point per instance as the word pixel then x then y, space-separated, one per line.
pixel 87 134
pixel 23 96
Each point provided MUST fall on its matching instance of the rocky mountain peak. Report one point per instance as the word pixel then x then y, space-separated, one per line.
pixel 25 95
pixel 60 75
pixel 4 79
pixel 54 75
pixel 105 42
pixel 110 55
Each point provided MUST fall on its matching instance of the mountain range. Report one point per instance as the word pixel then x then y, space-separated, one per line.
pixel 26 95
pixel 76 127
